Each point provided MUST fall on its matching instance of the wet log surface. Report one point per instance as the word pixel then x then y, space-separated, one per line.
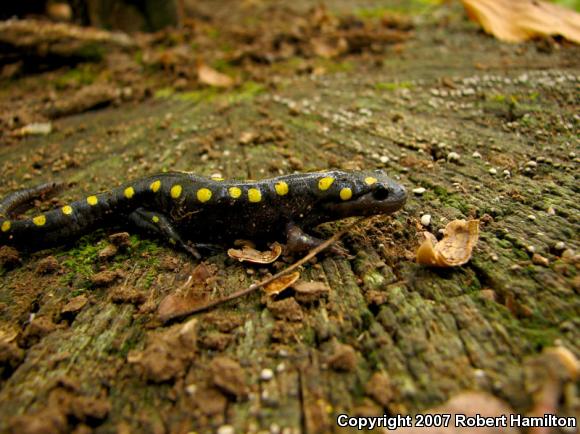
pixel 82 350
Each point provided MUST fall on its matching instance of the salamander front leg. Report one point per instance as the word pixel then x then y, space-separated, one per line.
pixel 299 241
pixel 159 224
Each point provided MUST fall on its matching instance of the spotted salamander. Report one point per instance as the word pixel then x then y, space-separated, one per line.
pixel 192 211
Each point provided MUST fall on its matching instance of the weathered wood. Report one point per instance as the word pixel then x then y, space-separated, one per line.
pixel 427 333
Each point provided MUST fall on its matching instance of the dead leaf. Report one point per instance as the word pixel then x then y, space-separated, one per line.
pixel 210 76
pixel 326 48
pixel 175 305
pixel 468 404
pixel 520 20
pixel 249 254
pixel 280 284
pixel 454 249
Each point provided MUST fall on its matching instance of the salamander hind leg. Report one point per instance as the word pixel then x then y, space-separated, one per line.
pixel 156 223
pixel 299 241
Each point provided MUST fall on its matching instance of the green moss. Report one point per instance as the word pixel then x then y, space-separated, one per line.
pixel 373 280
pixel 249 90
pixel 309 336
pixel 407 7
pixel 246 91
pixel 82 76
pixel 165 92
pixel 80 260
pixel 572 4
pixel 394 85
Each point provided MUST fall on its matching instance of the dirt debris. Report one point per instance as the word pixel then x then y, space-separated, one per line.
pixel 74 306
pixel 343 358
pixel 105 278
pixel 37 329
pixel 287 309
pixel 47 265
pixel 128 295
pixel 228 376
pixel 9 257
pixel 167 354
pixel 379 388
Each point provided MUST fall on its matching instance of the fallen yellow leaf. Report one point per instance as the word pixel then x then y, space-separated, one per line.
pixel 250 254
pixel 520 20
pixel 454 249
pixel 210 76
pixel 280 284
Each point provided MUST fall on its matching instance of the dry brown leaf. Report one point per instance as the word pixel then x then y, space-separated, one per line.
pixel 327 48
pixel 210 76
pixel 454 249
pixel 174 305
pixel 280 284
pixel 249 254
pixel 469 404
pixel 520 20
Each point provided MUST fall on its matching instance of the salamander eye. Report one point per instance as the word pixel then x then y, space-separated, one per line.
pixel 380 193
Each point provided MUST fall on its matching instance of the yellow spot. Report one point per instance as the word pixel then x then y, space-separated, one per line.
pixel 203 194
pixel 92 200
pixel 5 226
pixel 345 193
pixel 155 219
pixel 325 183
pixel 216 178
pixel 67 210
pixel 129 192
pixel 176 191
pixel 254 195
pixel 370 180
pixel 235 192
pixel 39 220
pixel 155 186
pixel 281 188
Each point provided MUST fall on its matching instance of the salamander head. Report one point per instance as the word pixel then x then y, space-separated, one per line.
pixel 362 194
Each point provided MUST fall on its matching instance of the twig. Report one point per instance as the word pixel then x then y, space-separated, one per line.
pixel 254 286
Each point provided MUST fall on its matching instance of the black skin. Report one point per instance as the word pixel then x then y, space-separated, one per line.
pixel 191 218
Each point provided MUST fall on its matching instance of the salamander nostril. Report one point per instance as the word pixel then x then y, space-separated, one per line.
pixel 381 193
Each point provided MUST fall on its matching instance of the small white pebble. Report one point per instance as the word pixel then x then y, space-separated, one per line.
pixel 419 190
pixel 479 373
pixel 384 159
pixel 226 429
pixel 494 258
pixel 507 173
pixel 532 217
pixel 560 245
pixel 441 231
pixel 476 155
pixel 530 249
pixel 453 156
pixel 281 367
pixel 551 211
pixel 531 163
pixel 493 171
pixel 191 389
pixel 426 219
pixel 266 374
